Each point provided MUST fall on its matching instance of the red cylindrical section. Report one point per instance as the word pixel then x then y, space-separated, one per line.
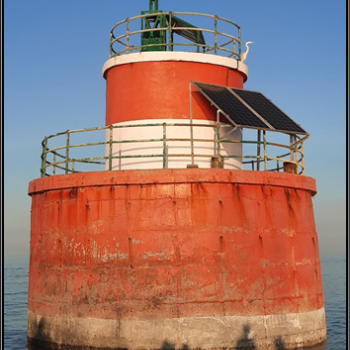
pixel 160 89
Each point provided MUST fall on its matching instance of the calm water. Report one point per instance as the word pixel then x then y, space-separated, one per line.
pixel 15 303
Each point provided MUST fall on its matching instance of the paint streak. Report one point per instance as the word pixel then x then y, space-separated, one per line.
pixel 224 248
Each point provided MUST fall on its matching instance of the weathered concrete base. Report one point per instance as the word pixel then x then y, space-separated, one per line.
pixel 286 331
pixel 175 259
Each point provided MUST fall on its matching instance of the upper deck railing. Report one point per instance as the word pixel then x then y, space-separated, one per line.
pixel 124 40
pixel 57 150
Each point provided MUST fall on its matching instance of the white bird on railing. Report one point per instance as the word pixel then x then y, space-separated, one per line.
pixel 244 55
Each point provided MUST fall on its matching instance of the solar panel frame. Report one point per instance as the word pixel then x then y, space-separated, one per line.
pixel 261 122
pixel 275 117
pixel 251 109
pixel 226 109
pixel 190 35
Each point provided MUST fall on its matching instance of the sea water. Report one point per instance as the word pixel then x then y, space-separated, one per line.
pixel 15 303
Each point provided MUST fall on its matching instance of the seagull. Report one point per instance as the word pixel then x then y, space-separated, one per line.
pixel 244 55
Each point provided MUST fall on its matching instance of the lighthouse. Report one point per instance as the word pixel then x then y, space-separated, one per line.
pixel 166 227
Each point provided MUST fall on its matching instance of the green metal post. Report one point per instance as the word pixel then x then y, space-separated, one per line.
pixel 197 40
pixel 151 2
pixel 191 127
pixel 216 34
pixel 265 150
pixel 218 145
pixel 43 158
pixel 110 147
pixel 302 158
pixel 127 35
pixel 67 151
pixel 164 145
pixel 54 165
pixel 110 45
pixel 239 44
pixel 290 147
pixel 258 151
pixel 295 153
pixel 295 148
pixel 170 34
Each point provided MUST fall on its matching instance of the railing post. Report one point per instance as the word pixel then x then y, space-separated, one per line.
pixel 164 145
pixel 73 166
pixel 67 151
pixel 127 35
pixel 218 145
pixel 239 44
pixel 192 145
pixel 43 158
pixel 110 44
pixel 170 34
pixel 192 165
pixel 216 34
pixel 234 49
pixel 197 33
pixel 265 150
pixel 110 147
pixel 54 165
pixel 290 147
pixel 302 158
pixel 258 151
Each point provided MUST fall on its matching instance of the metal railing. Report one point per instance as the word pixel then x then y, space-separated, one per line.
pixel 231 47
pixel 59 159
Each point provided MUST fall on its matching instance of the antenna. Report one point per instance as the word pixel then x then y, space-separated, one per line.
pixel 151 3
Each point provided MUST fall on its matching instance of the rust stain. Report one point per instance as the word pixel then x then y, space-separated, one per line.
pixel 141 261
pixel 131 255
pixel 286 191
pixel 73 193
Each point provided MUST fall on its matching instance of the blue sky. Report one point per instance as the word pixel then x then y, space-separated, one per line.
pixel 55 50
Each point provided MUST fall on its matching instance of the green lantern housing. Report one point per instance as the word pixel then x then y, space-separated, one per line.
pixel 155 38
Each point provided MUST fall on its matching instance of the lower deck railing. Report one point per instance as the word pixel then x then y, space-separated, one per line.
pixel 57 150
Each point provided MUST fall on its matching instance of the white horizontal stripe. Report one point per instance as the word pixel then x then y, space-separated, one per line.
pixel 175 56
pixel 172 147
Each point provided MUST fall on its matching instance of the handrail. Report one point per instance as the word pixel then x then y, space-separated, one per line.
pixel 68 164
pixel 221 49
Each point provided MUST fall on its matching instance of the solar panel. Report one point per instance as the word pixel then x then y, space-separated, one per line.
pixel 271 113
pixel 249 109
pixel 230 105
pixel 193 35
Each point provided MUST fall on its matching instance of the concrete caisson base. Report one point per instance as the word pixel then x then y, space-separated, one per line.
pixel 175 259
pixel 225 332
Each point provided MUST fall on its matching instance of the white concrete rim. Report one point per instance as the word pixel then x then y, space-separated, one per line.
pixel 175 56
pixel 293 329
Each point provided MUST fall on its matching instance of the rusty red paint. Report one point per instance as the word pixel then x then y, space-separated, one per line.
pixel 168 97
pixel 162 243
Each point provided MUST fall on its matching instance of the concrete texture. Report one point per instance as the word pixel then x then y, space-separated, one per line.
pixel 186 258
pixel 259 332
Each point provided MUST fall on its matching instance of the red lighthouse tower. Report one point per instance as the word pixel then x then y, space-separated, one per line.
pixel 160 230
